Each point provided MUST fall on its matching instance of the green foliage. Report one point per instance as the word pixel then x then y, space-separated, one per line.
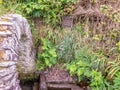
pixel 48 57
pixel 113 67
pixel 80 29
pixel 98 62
pixel 83 63
pixel 34 32
pixel 66 48
pixel 97 81
pixel 50 34
pixel 10 6
pixel 116 81
pixel 88 67
pixel 49 10
pixel 79 66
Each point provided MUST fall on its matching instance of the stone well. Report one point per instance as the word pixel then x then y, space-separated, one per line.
pixel 57 78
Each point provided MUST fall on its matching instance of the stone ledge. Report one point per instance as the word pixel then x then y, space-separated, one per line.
pixel 64 86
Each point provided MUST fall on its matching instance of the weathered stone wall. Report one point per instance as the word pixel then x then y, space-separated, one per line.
pixel 16 46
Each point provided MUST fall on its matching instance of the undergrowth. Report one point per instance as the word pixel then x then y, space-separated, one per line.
pixel 90 51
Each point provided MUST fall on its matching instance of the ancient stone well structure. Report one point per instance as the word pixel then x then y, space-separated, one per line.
pixel 57 78
pixel 15 46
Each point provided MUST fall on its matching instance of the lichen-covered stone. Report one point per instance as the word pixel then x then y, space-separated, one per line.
pixel 15 46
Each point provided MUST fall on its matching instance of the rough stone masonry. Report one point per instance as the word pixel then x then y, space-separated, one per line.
pixel 15 46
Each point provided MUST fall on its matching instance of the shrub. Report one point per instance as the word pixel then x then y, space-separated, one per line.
pixel 48 57
pixel 88 67
pixel 49 10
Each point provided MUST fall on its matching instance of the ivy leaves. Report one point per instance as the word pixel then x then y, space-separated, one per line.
pixel 49 10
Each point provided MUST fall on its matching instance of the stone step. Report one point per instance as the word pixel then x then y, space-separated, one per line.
pixel 63 87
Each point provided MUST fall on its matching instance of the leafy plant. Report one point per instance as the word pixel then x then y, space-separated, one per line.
pixel 48 57
pixel 97 81
pixel 47 9
pixel 80 64
pixel 116 81
pixel 89 68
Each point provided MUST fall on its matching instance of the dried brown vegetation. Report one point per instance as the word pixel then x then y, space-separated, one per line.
pixel 101 22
